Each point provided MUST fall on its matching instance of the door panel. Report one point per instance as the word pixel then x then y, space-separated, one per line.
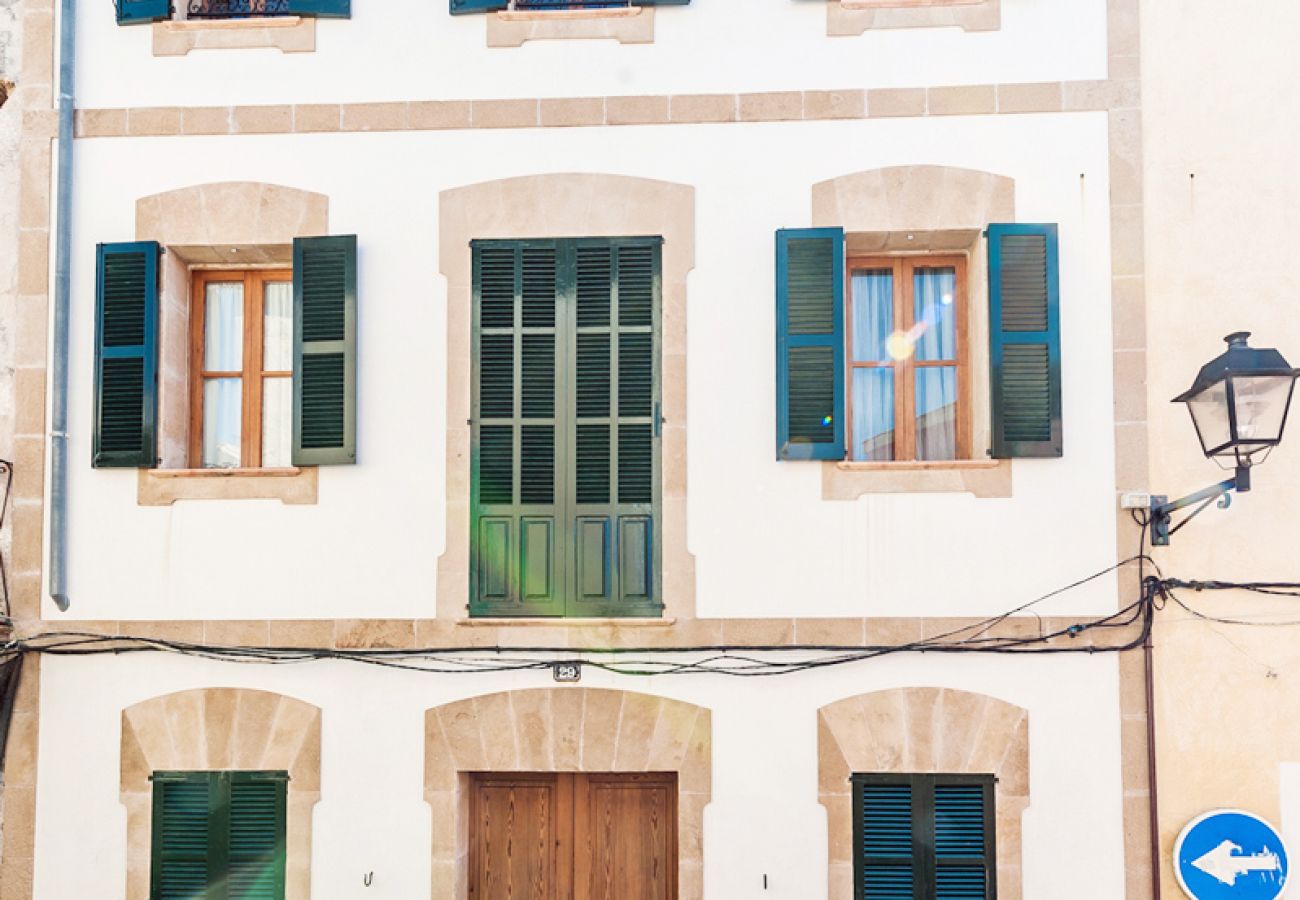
pixel 573 836
pixel 625 829
pixel 518 837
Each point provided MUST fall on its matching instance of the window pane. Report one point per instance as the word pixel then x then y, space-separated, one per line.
pixel 277 422
pixel 873 315
pixel 222 409
pixel 873 414
pixel 934 310
pixel 936 413
pixel 223 327
pixel 277 327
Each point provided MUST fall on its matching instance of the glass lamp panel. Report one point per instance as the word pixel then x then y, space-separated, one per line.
pixel 277 326
pixel 1261 402
pixel 936 412
pixel 223 327
pixel 1209 411
pixel 223 405
pixel 873 314
pixel 934 311
pixel 277 422
pixel 873 414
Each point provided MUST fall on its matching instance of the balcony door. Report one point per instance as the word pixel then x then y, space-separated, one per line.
pixel 556 836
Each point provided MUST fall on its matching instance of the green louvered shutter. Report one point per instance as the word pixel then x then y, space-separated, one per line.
pixel 256 850
pixel 614 494
pixel 1025 340
pixel 810 343
pixel 325 350
pixel 126 356
pixel 182 835
pixel 884 837
pixel 140 12
pixel 460 7
pixel 964 860
pixel 517 540
pixel 219 835
pixel 333 9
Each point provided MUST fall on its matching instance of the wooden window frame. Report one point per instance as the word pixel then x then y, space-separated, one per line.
pixel 252 374
pixel 903 267
pixel 924 864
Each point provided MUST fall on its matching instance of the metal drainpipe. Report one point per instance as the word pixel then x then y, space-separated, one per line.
pixel 1148 655
pixel 62 302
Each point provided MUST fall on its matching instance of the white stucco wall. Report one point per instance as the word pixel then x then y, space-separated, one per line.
pixel 416 50
pixel 371 545
pixel 764 818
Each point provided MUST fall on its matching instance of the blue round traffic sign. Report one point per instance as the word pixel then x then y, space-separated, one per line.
pixel 1228 854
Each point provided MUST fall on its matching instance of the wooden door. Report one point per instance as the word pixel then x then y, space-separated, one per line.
pixel 573 836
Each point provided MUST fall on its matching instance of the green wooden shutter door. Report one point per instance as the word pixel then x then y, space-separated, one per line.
pixel 963 857
pixel 334 9
pixel 126 356
pixel 810 344
pixel 256 854
pixel 614 499
pixel 517 539
pixel 1025 340
pixel 885 839
pixel 566 459
pixel 325 350
pixel 139 12
pixel 182 834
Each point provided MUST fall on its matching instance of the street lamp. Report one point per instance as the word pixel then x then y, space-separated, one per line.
pixel 1239 404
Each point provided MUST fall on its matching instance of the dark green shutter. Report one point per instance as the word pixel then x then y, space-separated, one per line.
pixel 219 835
pixel 182 834
pixel 334 9
pixel 460 7
pixel 565 471
pixel 139 12
pixel 810 343
pixel 325 350
pixel 126 356
pixel 1025 340
pixel 924 836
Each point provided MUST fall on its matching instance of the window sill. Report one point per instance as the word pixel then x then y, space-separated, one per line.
pixel 634 25
pixel 855 17
pixel 985 478
pixel 289 34
pixel 551 622
pixel 163 487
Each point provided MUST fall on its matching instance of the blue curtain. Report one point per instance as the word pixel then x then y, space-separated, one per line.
pixel 935 333
pixel 872 390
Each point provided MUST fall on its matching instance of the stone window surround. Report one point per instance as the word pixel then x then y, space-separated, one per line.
pixel 542 730
pixel 215 729
pixel 907 209
pixel 208 226
pixel 511 28
pixel 289 34
pixel 565 206
pixel 923 730
pixel 856 17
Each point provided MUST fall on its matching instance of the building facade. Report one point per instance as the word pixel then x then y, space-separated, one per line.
pixel 770 368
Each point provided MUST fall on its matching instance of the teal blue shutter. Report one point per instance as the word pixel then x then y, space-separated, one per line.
pixel 126 356
pixel 325 350
pixel 616 435
pixel 1025 340
pixel 219 835
pixel 885 841
pixel 256 850
pixel 460 7
pixel 517 536
pixel 182 835
pixel 810 343
pixel 964 859
pixel 139 12
pixel 334 9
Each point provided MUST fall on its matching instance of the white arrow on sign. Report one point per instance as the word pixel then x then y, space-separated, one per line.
pixel 1221 863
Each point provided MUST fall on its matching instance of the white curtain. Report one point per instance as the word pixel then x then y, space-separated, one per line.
pixel 223 338
pixel 872 390
pixel 935 312
pixel 277 392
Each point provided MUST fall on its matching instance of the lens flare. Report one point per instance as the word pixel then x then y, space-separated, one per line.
pixel 899 345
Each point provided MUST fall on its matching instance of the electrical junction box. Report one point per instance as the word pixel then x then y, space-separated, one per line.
pixel 1134 500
